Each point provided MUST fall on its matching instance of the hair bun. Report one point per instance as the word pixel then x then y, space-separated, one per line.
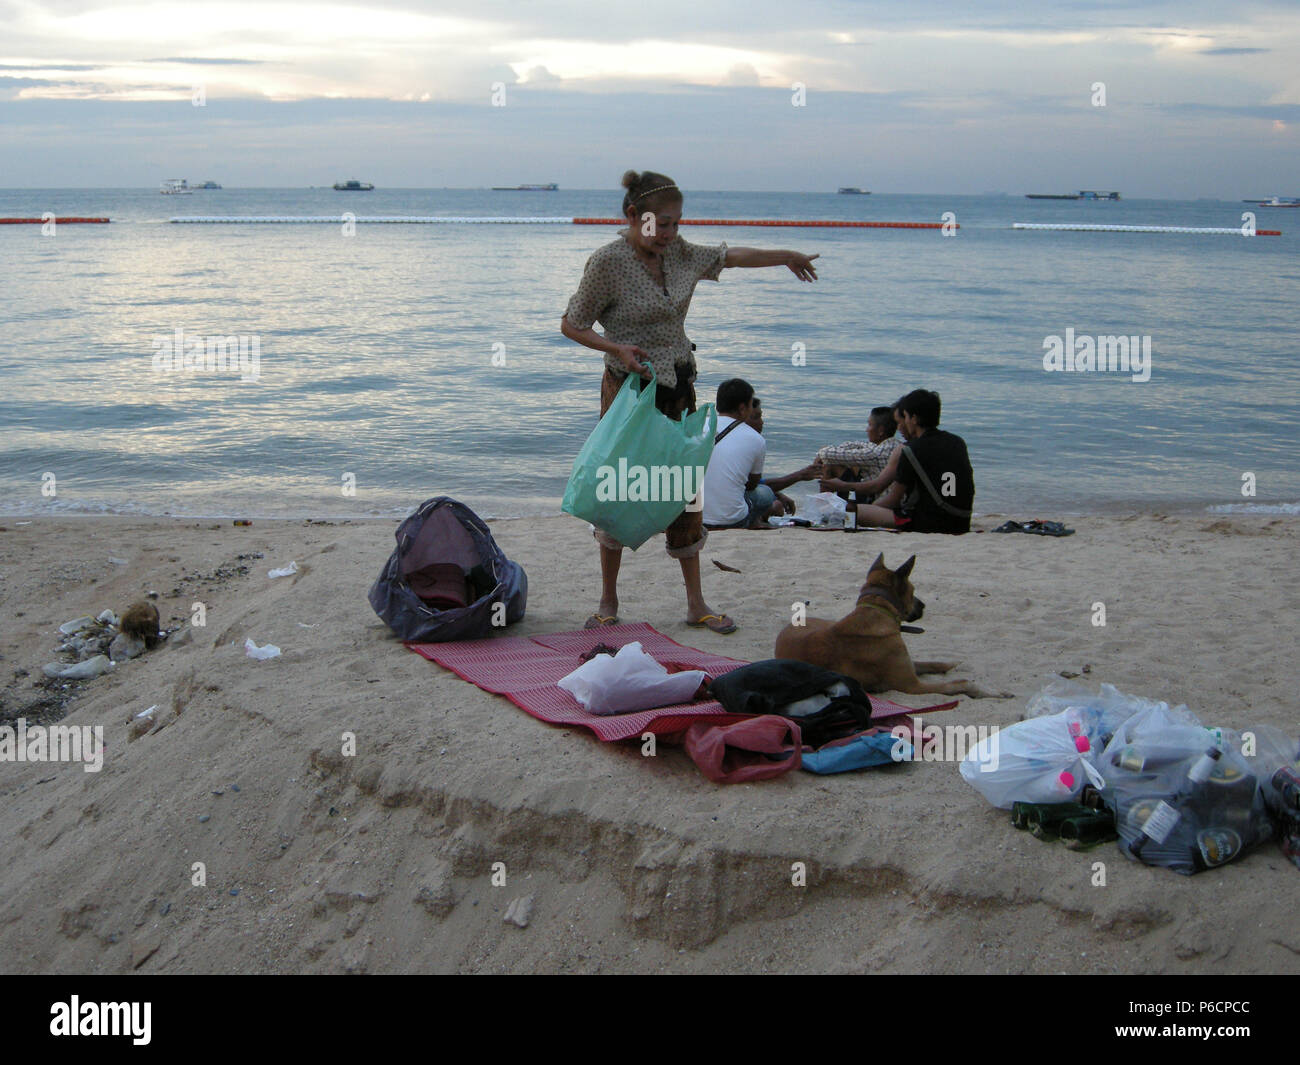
pixel 630 178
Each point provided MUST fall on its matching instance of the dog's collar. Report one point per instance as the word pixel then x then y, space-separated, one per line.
pixel 889 599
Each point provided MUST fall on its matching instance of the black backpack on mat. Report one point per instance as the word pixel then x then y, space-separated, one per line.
pixel 777 685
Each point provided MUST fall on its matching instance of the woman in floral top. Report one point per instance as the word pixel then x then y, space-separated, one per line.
pixel 639 288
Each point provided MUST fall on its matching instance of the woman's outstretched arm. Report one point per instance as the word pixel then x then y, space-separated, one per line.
pixel 800 265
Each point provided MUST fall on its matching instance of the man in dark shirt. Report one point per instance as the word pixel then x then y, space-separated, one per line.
pixel 935 474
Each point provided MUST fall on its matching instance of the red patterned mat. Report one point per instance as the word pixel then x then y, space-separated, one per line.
pixel 525 670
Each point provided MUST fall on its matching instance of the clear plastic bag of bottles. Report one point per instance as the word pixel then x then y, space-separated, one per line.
pixel 1275 759
pixel 1100 713
pixel 1185 797
pixel 1052 754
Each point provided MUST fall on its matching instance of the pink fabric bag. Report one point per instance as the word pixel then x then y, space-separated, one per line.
pixel 756 749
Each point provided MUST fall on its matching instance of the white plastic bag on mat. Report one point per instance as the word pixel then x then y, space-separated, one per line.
pixel 1040 759
pixel 630 680
pixel 825 508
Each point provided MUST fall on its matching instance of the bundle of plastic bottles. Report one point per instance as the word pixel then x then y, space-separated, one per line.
pixel 1085 767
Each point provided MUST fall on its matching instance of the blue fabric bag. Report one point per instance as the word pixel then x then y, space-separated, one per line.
pixel 862 753
pixel 638 469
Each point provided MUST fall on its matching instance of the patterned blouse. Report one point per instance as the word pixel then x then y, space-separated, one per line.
pixel 867 458
pixel 618 291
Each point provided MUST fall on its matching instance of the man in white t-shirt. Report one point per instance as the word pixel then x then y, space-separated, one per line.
pixel 734 498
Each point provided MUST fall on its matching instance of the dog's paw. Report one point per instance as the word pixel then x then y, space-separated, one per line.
pixel 976 692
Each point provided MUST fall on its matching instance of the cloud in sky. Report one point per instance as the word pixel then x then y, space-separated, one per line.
pixel 210 61
pixel 894 92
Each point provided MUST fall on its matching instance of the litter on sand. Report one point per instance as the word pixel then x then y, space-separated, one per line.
pixel 1089 767
pixel 91 667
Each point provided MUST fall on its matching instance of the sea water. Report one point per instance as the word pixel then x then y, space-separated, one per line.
pixel 394 363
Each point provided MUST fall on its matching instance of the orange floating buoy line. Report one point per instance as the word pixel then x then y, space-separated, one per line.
pixel 42 221
pixel 818 223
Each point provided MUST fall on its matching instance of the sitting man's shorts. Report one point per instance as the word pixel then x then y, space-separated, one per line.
pixel 759 501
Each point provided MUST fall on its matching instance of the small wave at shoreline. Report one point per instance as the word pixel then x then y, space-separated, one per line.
pixel 1255 508
pixel 535 509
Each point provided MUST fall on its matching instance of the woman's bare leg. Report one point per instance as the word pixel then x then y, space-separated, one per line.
pixel 610 561
pixel 873 515
pixel 696 607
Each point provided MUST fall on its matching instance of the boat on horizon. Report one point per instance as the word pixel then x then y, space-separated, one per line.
pixel 208 185
pixel 853 190
pixel 175 187
pixel 1276 201
pixel 550 186
pixel 1082 194
pixel 353 185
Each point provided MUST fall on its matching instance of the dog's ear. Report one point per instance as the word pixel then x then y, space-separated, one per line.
pixel 878 564
pixel 904 571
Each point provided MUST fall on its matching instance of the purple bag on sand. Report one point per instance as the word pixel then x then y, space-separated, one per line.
pixel 441 535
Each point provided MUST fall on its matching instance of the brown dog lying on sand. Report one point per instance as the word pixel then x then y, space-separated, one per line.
pixel 867 645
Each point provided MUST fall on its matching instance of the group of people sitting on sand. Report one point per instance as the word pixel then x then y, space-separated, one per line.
pixel 921 483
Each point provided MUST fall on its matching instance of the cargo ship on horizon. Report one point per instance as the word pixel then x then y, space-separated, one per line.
pixel 1082 194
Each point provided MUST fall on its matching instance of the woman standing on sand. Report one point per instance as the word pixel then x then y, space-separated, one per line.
pixel 639 288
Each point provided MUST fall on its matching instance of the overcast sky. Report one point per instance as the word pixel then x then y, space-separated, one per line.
pixel 1200 98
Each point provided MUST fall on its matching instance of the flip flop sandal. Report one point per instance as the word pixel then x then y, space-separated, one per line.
pixel 1036 528
pixel 721 628
pixel 599 621
pixel 1048 528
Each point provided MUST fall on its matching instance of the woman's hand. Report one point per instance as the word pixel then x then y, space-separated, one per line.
pixel 801 266
pixel 832 484
pixel 630 355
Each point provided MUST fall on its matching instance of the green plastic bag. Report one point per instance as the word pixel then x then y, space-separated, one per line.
pixel 638 469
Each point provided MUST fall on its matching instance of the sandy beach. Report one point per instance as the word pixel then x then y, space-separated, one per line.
pixel 383 862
